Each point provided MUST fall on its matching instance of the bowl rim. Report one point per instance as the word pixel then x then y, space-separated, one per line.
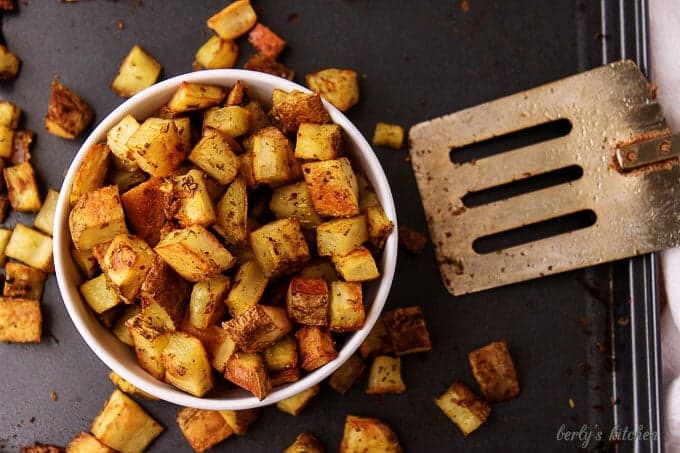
pixel 76 307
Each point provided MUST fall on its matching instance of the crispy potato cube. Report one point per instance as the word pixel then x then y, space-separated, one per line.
pixel 282 355
pixel 247 170
pixel 238 94
pixel 128 387
pixel 9 115
pixel 186 363
pixel 266 41
pixel 262 63
pixel 385 376
pixel 87 443
pixel 284 376
pixel 333 187
pixel 289 110
pixel 147 207
pixel 340 87
pixel 232 120
pixel 163 296
pixel 280 247
pixel 216 53
pixel 195 96
pixel 6 141
pixel 258 328
pixel 194 253
pixel 195 205
pixel 217 343
pixel 346 308
pixel 345 376
pixel 247 371
pixel 463 407
pixel 30 247
pixel 240 421
pixel 20 320
pixel 340 236
pixel 407 330
pixel 206 305
pixel 272 157
pixel 295 404
pixel 379 226
pixel 316 347
pixel 306 443
pixel 364 434
pixel 377 342
pixel 96 218
pixel 41 448
pixel 157 146
pixel 125 179
pixel 98 294
pixel 215 156
pixel 149 344
pixel 109 317
pixel 357 266
pixel 319 268
pixel 44 220
pixel 318 141
pixel 293 200
pixel 67 114
pixel 9 64
pixel 258 117
pixel 494 371
pixel 203 429
pixel 126 263
pixel 307 301
pixel 120 329
pixel 22 188
pixel 234 20
pixel 390 135
pixel 5 234
pixel 232 213
pixel 21 146
pixel 91 173
pixel 117 137
pixel 249 285
pixel 138 70
pixel 123 425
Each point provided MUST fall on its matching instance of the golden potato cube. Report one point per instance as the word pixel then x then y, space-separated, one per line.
pixel 284 376
pixel 345 376
pixel 333 187
pixel 217 343
pixel 238 94
pixel 87 443
pixel 206 305
pixel 307 301
pixel 38 447
pixel 186 363
pixel 96 218
pixel 194 203
pixel 22 188
pixel 407 330
pixel 346 308
pixel 247 169
pixel 258 328
pixel 232 213
pixel 240 421
pixel 282 355
pixel 319 268
pixel 289 110
pixel 293 200
pixel 163 296
pixel 215 156
pixel 262 63
pixel 280 247
pixel 10 114
pixel 249 285
pixel 99 295
pixel 377 342
pixel 125 179
pixel 138 70
pixel 266 41
pixel 306 443
pixel 44 220
pixel 120 329
pixel 30 247
pixel 379 226
pixel 21 146
pixel 232 120
pixel 463 407
pixel 357 266
pixel 9 64
pixel 271 157
pixel 5 234
pixel 390 135
pixel 494 371
pixel 157 146
pixel 368 434
pixel 367 196
pixel 117 137
pixel 385 376
pixel 195 96
pixel 91 173
pixel 216 53
pixel 203 429
pixel 20 320
pixel 6 141
pixel 148 206
pixel 234 20
pixel 340 87
pixel 128 387
pixel 194 253
pixel 295 404
pixel 126 263
pixel 67 114
pixel 124 426
pixel 258 117
pixel 149 344
pixel 340 236
pixel 109 317
pixel 247 371
pixel 316 347
pixel 318 141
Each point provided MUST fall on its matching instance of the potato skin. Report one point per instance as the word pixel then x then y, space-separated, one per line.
pixel 67 114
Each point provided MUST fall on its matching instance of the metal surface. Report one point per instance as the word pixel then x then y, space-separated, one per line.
pixel 606 107
pixel 648 152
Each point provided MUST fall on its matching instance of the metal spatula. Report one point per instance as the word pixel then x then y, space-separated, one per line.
pixel 616 166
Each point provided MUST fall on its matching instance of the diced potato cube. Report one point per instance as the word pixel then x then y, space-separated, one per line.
pixel 306 443
pixel 215 156
pixel 128 387
pixel 138 70
pixel 149 344
pixel 206 305
pixel 126 263
pixel 124 426
pixel 109 317
pixel 194 253
pixel 39 447
pixel 379 226
pixel 22 188
pixel 9 114
pixel 293 200
pixel 258 328
pixel 340 87
pixel 377 342
pixel 234 20
pixel 87 443
pixel 368 434
pixel 247 169
pixel 284 376
pixel 163 296
pixel 320 268
pixel 494 371
pixel 247 371
pixel 339 237
pixel 307 301
pixel 240 421
pixel 316 347
pixel 217 342
pixel 357 266
pixel 67 114
pixel 232 213
pixel 195 96
pixel 280 247
pixel 96 218
pixel 346 309
pixel 157 146
pixel 44 220
pixel 238 94
pixel 21 146
pixel 125 179
pixel 282 355
pixel 195 205
pixel 318 141
pixel 463 407
pixel 99 295
pixel 91 173
pixel 203 429
pixel 345 376
pixel 216 53
pixel 407 330
pixel 262 63
pixel 249 285
pixel 266 41
pixel 30 247
pixel 272 153
pixel 333 187
pixel 147 207
pixel 186 363
pixel 367 195
pixel 295 404
pixel 258 117
pixel 385 376
pixel 232 120
pixel 289 110
pixel 5 234
pixel 20 320
pixel 390 135
pixel 6 141
pixel 117 137
pixel 120 329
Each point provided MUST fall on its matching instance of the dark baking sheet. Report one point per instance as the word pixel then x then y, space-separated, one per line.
pixel 589 335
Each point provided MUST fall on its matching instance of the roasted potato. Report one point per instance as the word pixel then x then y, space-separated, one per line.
pixel 307 301
pixel 280 247
pixel 295 404
pixel 240 421
pixel 364 434
pixel 319 268
pixel 333 187
pixel 206 305
pixel 203 429
pixel 232 213
pixel 266 41
pixel 379 226
pixel 248 287
pixel 289 110
pixel 318 141
pixel 30 247
pixel 6 141
pixel 128 387
pixel 258 328
pixel 247 370
pixel 232 120
pixel 20 320
pixel 157 146
pixel 98 294
pixel 139 70
pixel 120 329
pixel 149 206
pixel 87 443
pixel 390 135
pixel 117 137
pixel 340 87
pixel 272 157
pixel 9 64
pixel 293 200
pixel 96 218
pixel 216 53
pixel 10 114
pixel 346 308
pixel 494 371
pixel 407 330
pixel 234 20
pixel 316 347
pixel 463 407
pixel 281 355
pixel 186 364
pixel 214 155
pixel 385 376
pixel 5 234
pixel 357 266
pixel 163 296
pixel 262 63
pixel 345 376
pixel 340 236
pixel 67 114
pixel 149 344
pixel 195 96
pixel 194 206
pixel 217 343
pixel 305 443
pixel 377 342
pixel 284 376
pixel 126 263
pixel 44 220
pixel 22 188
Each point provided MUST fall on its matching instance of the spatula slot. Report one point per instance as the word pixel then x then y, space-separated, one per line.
pixel 534 232
pixel 513 140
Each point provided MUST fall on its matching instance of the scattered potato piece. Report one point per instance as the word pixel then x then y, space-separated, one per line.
pixel 195 96
pixel 262 63
pixel 377 342
pixel 282 355
pixel 297 403
pixel 30 247
pixel 240 421
pixel 139 70
pixel 216 53
pixel 306 443
pixel 266 41
pixel 463 407
pixel 10 114
pixel 258 328
pixel 86 443
pixel 346 308
pixel 333 187
pixel 21 146
pixel 345 376
pixel 97 218
pixel 44 220
pixel 340 87
pixel 407 330
pixel 390 135
pixel 6 141
pixel 357 266
pixel 5 234
pixel 234 20
pixel 9 64
pixel 22 188
pixel 307 301
pixel 203 429
pixel 364 434
pixel 316 347
pixel 90 175
pixel 20 320
pixel 494 371
pixel 186 364
pixel 41 448
pixel 411 240
pixel 247 370
pixel 291 109
pixel 280 247
pixel 385 376
pixel 67 114
pixel 128 387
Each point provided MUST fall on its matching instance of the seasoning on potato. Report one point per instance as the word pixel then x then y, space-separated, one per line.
pixel 340 87
pixel 390 135
pixel 67 114
pixel 138 70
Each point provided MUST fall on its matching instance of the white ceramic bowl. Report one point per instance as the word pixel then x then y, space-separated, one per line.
pixel 119 357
